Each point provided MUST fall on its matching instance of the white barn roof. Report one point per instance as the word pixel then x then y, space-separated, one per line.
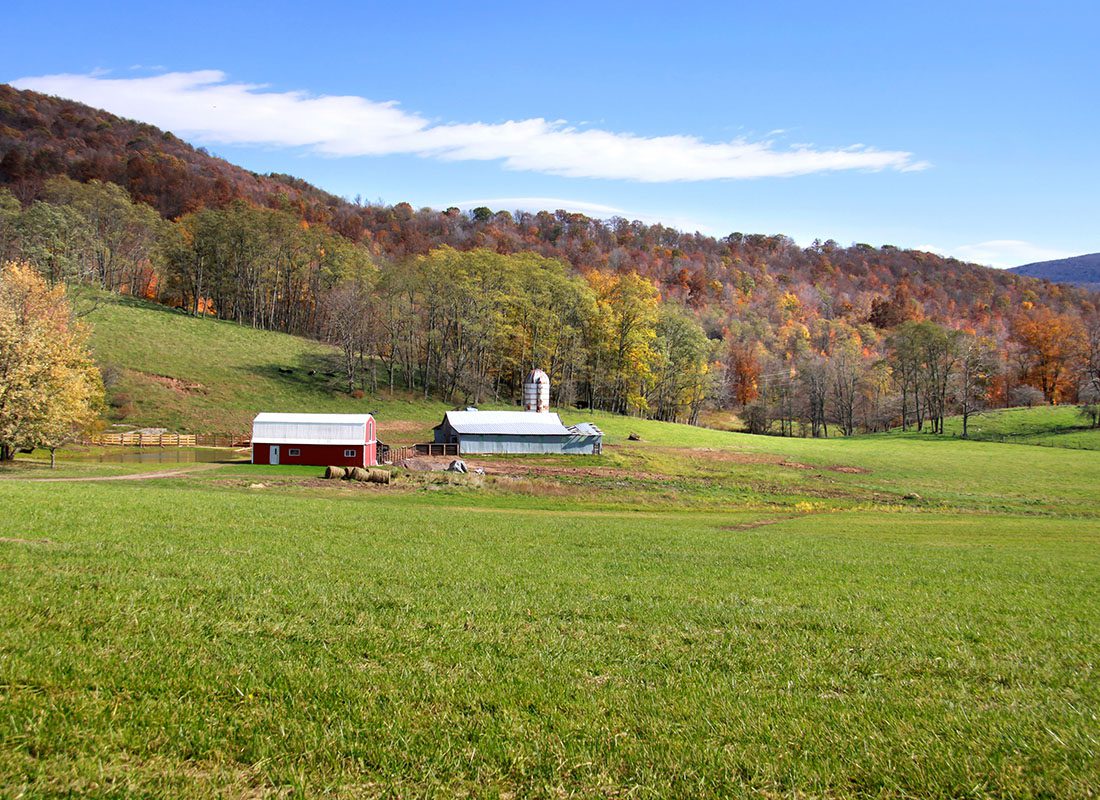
pixel 516 423
pixel 280 428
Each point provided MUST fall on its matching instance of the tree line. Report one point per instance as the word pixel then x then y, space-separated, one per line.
pixel 914 375
pixel 464 326
pixel 811 356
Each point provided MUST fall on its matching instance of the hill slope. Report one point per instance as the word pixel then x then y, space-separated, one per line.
pixel 42 137
pixel 201 375
pixel 1080 270
pixel 190 374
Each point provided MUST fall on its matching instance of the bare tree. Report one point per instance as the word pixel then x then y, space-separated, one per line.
pixel 346 310
pixel 977 365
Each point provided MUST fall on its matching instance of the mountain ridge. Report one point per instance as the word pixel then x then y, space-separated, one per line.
pixel 1082 270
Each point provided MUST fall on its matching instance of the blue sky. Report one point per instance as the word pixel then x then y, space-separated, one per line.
pixel 969 128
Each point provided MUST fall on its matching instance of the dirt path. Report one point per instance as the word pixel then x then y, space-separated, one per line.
pixel 135 476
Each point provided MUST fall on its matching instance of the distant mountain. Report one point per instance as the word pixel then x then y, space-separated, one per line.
pixel 1080 270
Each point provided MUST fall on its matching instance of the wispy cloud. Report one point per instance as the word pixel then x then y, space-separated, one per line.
pixel 1001 253
pixel 206 106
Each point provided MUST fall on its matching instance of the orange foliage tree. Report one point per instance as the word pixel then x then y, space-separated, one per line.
pixel 1048 345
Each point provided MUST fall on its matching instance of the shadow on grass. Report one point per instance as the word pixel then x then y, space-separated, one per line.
pixel 317 373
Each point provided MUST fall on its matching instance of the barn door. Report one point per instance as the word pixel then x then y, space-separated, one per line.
pixel 274 454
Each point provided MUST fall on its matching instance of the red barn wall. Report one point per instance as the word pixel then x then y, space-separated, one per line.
pixel 319 455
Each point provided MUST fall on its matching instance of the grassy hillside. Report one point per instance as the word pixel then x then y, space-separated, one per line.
pixel 1048 426
pixel 208 376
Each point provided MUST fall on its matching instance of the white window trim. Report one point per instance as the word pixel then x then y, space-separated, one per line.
pixel 350 454
pixel 294 451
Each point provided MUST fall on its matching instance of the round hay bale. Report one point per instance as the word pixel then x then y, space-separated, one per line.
pixel 378 475
pixel 335 473
pixel 357 474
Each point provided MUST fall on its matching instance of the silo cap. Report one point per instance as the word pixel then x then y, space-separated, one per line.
pixel 537 376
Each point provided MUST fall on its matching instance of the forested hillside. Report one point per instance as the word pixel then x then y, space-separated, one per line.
pixel 1079 270
pixel 625 316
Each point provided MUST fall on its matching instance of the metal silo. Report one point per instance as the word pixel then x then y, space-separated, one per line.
pixel 536 392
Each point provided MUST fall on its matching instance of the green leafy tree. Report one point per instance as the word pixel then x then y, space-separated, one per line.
pixel 681 375
pixel 122 236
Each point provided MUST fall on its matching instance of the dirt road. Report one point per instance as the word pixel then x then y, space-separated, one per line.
pixel 135 476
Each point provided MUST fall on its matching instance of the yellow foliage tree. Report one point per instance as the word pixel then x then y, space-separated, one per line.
pixel 50 389
pixel 627 314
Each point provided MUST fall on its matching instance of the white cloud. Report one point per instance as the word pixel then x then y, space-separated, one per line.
pixel 206 106
pixel 1000 253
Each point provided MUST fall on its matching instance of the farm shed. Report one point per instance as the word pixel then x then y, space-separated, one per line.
pixel 345 440
pixel 516 432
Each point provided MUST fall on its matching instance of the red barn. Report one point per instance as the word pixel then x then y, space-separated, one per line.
pixel 342 440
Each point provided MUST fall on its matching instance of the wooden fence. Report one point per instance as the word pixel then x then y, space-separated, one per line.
pixel 433 449
pixel 223 440
pixel 397 455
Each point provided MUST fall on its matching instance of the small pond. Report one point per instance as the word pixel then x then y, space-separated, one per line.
pixel 157 455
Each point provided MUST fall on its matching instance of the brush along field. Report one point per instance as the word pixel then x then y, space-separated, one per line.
pixel 699 614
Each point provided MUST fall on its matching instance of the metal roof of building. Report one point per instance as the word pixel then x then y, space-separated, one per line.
pixel 339 429
pixel 516 423
pixel 322 419
pixel 586 429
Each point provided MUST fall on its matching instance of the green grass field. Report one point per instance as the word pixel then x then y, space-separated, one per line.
pixel 696 614
pixel 1047 426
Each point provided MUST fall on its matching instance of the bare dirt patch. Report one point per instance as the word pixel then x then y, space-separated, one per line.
pixel 551 470
pixel 831 468
pixel 759 523
pixel 731 456
pixel 429 463
pixel 177 385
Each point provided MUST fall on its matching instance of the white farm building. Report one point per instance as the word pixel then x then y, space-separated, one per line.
pixel 516 432
pixel 536 430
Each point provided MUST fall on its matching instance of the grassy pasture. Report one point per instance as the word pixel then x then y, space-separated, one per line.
pixel 1047 426
pixel 195 638
pixel 209 376
pixel 697 614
